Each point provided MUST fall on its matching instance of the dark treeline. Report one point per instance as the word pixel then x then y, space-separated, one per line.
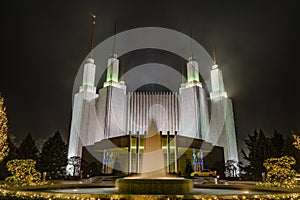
pixel 260 147
pixel 52 158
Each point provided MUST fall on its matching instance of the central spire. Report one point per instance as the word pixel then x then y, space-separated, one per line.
pixel 192 67
pixel 112 76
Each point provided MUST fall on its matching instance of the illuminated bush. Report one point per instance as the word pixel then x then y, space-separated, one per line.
pixel 297 141
pixel 279 172
pixel 23 173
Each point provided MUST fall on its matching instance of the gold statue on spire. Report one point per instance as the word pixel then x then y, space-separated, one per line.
pixel 214 49
pixel 92 34
pixel 215 55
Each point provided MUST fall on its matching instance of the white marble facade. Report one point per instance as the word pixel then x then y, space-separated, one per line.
pixel 115 112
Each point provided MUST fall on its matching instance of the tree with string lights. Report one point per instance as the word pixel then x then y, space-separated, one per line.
pixel 297 141
pixel 23 173
pixel 280 172
pixel 3 130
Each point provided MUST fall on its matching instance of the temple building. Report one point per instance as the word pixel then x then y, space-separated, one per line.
pixel 109 127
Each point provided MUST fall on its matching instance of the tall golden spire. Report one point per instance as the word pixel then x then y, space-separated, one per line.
pixel 92 34
pixel 114 39
pixel 214 49
pixel 215 55
pixel 191 42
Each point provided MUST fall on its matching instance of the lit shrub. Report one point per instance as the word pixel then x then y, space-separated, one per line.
pixel 279 172
pixel 23 173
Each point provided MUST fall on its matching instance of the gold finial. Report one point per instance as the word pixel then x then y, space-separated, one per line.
pixel 214 51
pixel 114 39
pixel 191 42
pixel 215 56
pixel 92 34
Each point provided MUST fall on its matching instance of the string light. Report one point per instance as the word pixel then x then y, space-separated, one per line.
pixel 43 196
pixel 23 173
pixel 279 172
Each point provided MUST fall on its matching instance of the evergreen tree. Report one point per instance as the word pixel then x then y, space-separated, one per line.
pixel 53 158
pixel 278 144
pixel 3 131
pixel 250 141
pixel 290 150
pixel 28 149
pixel 262 150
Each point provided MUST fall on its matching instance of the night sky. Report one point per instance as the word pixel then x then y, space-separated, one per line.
pixel 45 42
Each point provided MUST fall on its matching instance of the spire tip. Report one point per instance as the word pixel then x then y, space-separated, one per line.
pixel 92 34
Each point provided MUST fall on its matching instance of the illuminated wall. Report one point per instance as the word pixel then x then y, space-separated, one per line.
pixel 194 121
pixel 222 128
pixel 115 113
pixel 84 101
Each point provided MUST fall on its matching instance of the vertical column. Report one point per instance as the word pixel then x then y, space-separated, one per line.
pixel 134 115
pixel 138 111
pixel 175 152
pixel 166 114
pixel 197 113
pixel 168 152
pixel 176 112
pixel 152 103
pixel 128 115
pixel 131 112
pixel 172 114
pixel 138 152
pixel 143 113
pixel 159 97
pixel 163 108
pixel 149 106
pixel 129 153
pixel 147 112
